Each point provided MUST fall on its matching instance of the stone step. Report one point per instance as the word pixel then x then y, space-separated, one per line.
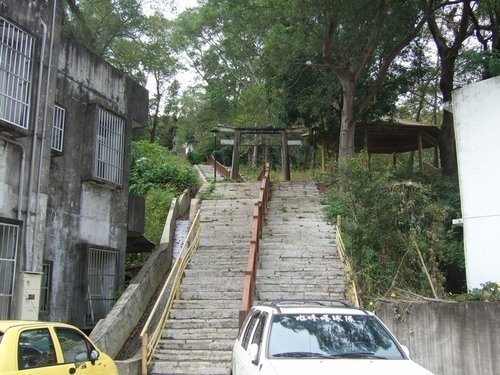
pixel 197 344
pixel 206 333
pixel 226 272
pixel 206 304
pixel 183 314
pixel 266 275
pixel 210 295
pixel 270 296
pixel 172 355
pixel 205 322
pixel 236 286
pixel 191 367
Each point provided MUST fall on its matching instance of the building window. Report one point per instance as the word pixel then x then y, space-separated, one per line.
pixel 16 60
pixel 46 287
pixel 8 253
pixel 109 147
pixel 101 276
pixel 58 119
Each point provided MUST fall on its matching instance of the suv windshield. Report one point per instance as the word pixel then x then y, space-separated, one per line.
pixel 330 336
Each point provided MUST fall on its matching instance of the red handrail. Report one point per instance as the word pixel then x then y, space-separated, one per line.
pixel 259 212
pixel 222 169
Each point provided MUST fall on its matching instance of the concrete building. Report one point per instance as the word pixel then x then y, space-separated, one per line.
pixel 66 118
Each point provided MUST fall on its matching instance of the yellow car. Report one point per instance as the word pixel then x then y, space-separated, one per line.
pixel 48 348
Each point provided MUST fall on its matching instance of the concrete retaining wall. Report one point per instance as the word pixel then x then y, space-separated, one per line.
pixel 111 333
pixel 448 338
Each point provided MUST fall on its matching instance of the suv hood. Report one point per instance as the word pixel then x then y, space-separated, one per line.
pixel 352 366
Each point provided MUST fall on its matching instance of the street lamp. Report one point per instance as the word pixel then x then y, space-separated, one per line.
pixel 214 131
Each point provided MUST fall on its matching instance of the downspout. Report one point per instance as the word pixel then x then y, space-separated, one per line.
pixel 44 125
pixel 28 258
pixel 21 177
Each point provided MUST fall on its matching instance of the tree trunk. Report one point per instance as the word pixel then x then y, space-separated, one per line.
pixel 447 146
pixel 347 126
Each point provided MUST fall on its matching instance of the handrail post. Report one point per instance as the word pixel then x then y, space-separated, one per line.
pixel 144 364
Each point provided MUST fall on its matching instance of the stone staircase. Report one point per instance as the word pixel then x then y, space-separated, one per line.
pixel 203 323
pixel 298 257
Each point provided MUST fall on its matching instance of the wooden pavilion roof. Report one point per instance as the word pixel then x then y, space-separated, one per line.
pixel 394 135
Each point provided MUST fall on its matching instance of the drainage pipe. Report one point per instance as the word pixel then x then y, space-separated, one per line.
pixel 28 266
pixel 44 125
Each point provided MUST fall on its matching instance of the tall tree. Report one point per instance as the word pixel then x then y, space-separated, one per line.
pixel 486 19
pixel 160 62
pixel 449 27
pixel 100 24
pixel 356 40
pixel 361 41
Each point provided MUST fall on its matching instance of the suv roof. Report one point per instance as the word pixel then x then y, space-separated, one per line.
pixel 309 306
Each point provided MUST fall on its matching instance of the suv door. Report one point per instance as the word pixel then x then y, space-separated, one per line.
pixel 255 347
pixel 251 334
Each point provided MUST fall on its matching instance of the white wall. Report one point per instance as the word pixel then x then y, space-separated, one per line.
pixel 476 111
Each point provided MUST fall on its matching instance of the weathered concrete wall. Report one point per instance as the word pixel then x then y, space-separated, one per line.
pixel 110 334
pixel 24 173
pixel 448 338
pixel 476 120
pixel 83 212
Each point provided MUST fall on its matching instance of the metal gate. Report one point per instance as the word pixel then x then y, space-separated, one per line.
pixel 101 276
pixel 8 255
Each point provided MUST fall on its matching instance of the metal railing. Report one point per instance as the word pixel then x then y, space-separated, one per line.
pixel 260 209
pixel 151 333
pixel 222 169
pixel 351 290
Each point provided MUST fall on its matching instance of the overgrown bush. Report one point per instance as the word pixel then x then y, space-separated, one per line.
pixel 159 176
pixel 389 221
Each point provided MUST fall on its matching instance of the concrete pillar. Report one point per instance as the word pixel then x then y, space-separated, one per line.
pixel 235 164
pixel 285 160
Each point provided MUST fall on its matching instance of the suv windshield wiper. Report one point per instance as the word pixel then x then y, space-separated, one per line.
pixel 332 356
pixel 300 355
pixel 357 355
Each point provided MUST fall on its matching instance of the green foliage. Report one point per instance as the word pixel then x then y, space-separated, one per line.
pixel 489 292
pixel 385 216
pixel 154 167
pixel 157 205
pixel 159 176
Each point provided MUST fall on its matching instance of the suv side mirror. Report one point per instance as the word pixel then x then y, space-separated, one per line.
pixel 253 352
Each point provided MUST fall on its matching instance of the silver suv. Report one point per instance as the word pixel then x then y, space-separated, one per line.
pixel 317 337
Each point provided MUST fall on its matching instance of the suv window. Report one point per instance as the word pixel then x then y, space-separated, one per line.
pixel 35 349
pixel 72 344
pixel 330 335
pixel 248 331
pixel 257 337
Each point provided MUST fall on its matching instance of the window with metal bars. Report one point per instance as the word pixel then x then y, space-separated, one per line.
pixel 110 134
pixel 16 63
pixel 8 254
pixel 102 283
pixel 58 121
pixel 46 286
